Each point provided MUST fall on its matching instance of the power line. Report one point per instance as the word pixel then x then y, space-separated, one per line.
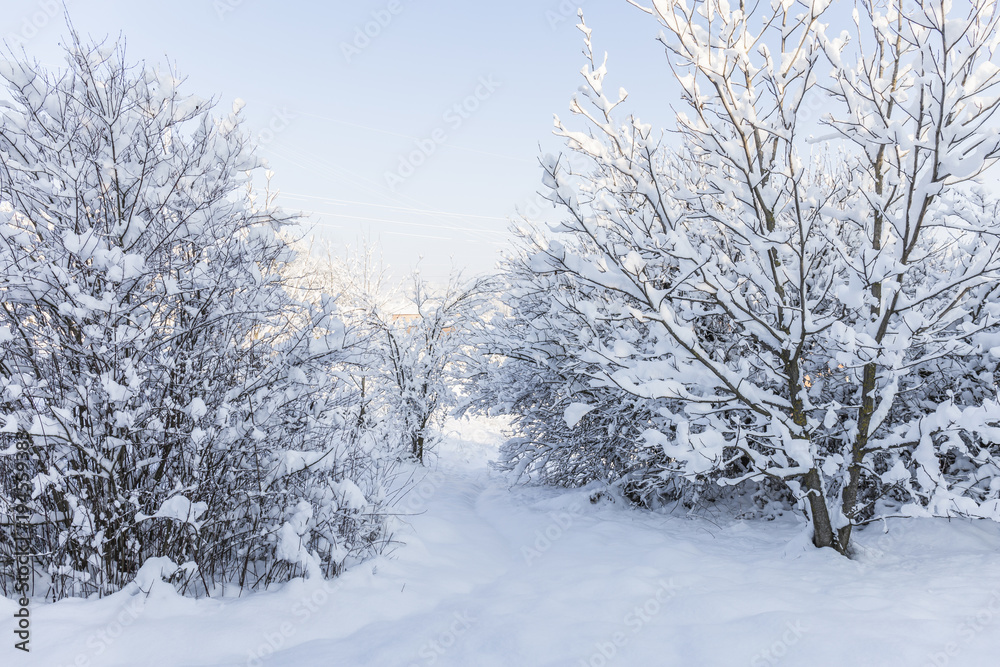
pixel 398 208
pixel 407 136
pixel 407 223
pixel 324 165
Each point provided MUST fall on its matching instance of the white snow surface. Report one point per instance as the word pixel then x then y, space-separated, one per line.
pixel 178 508
pixel 575 412
pixel 492 575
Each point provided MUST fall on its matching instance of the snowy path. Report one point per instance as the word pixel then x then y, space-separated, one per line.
pixel 544 577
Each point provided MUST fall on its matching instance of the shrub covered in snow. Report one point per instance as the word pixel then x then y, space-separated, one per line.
pixel 419 343
pixel 174 400
pixel 423 359
pixel 566 430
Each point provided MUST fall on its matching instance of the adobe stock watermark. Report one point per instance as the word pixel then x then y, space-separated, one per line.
pixel 434 649
pixel 302 610
pixel 99 641
pixel 419 494
pixel 882 551
pixel 970 628
pixel 635 620
pixel 33 23
pixel 907 8
pixel 453 118
pixel 550 534
pixel 534 209
pixel 223 7
pixel 280 121
pixel 21 514
pixel 778 649
pixel 365 34
pixel 566 10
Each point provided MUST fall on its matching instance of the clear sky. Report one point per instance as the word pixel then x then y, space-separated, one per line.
pixel 337 109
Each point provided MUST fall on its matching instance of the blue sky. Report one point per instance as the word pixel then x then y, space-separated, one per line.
pixel 335 111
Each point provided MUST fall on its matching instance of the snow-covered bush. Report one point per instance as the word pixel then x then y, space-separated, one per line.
pixel 802 310
pixel 565 430
pixel 421 344
pixel 424 357
pixel 418 342
pixel 174 399
pixel 569 428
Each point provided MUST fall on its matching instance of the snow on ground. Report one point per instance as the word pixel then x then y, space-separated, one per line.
pixel 530 576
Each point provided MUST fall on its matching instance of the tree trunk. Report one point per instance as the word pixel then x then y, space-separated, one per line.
pixel 418 448
pixel 849 495
pixel 823 535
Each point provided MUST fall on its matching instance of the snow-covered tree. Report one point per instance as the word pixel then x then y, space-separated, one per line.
pixel 422 355
pixel 418 340
pixel 175 400
pixel 802 302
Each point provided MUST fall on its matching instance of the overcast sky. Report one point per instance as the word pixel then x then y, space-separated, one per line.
pixel 347 98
